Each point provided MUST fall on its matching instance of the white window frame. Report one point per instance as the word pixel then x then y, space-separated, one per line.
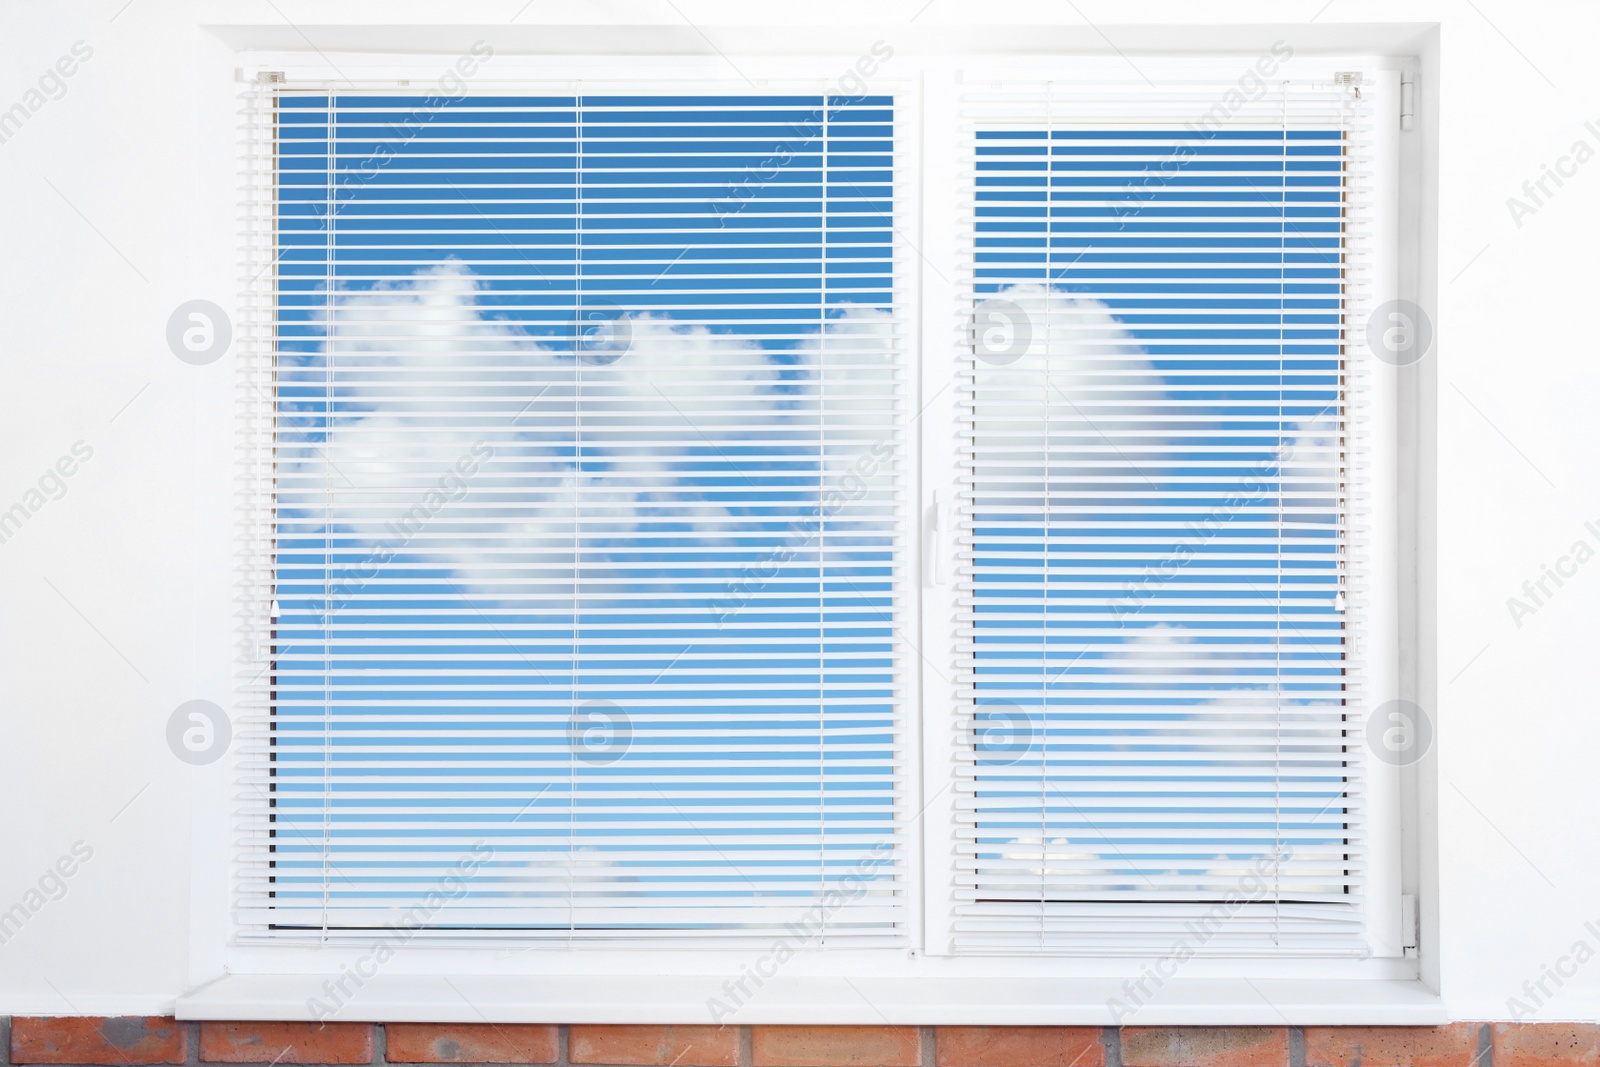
pixel 523 981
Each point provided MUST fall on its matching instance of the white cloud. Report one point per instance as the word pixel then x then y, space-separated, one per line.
pixel 424 374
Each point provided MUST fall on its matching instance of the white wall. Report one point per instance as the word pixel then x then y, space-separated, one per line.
pixel 117 203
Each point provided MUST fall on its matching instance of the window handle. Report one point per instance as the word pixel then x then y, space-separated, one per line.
pixel 941 527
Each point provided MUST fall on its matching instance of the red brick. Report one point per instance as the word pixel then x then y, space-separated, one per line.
pixel 471 1043
pixel 286 1042
pixel 1546 1044
pixel 121 1039
pixel 1455 1045
pixel 646 1046
pixel 1205 1046
pixel 1018 1046
pixel 835 1046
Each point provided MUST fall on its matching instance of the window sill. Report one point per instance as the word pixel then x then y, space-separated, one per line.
pixel 813 1000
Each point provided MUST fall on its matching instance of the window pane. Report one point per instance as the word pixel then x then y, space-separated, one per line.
pixel 1158 526
pixel 589 515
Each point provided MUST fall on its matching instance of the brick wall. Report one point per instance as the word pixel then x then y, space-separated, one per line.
pixel 131 1040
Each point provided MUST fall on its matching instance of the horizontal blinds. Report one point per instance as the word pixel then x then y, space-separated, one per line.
pixel 589 494
pixel 1159 510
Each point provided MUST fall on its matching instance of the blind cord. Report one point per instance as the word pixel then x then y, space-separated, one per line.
pixel 329 383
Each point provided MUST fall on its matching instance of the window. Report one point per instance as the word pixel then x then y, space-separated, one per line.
pixel 1157 497
pixel 590 494
pixel 946 517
